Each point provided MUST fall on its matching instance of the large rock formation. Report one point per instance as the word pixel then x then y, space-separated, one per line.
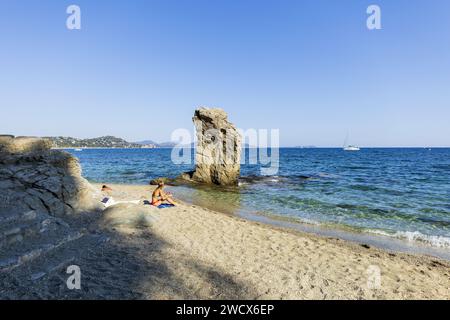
pixel 40 190
pixel 34 177
pixel 218 152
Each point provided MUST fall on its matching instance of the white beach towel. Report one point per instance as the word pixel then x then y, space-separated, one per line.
pixel 109 201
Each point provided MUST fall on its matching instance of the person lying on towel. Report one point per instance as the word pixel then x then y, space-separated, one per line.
pixel 108 199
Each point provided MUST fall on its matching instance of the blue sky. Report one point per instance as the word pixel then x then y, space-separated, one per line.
pixel 137 69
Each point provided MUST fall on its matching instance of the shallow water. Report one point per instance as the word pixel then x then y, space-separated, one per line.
pixel 403 193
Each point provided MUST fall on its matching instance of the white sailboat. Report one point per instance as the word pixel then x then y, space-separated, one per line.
pixel 349 147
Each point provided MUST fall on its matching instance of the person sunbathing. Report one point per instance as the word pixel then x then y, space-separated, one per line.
pixel 108 199
pixel 106 189
pixel 160 197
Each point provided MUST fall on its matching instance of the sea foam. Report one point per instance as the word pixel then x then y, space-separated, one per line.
pixel 416 236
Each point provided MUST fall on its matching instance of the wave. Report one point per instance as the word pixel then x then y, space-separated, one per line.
pixel 129 172
pixel 445 167
pixel 356 167
pixel 416 236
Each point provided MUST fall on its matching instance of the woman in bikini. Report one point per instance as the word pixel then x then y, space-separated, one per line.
pixel 160 197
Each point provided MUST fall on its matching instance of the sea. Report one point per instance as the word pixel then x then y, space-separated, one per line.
pixel 394 197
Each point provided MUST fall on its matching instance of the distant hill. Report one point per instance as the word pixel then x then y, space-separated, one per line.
pixel 147 142
pixel 112 142
pixel 156 144
pixel 167 144
pixel 100 142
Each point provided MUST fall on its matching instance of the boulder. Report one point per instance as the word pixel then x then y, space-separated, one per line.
pixel 44 205
pixel 34 177
pixel 218 151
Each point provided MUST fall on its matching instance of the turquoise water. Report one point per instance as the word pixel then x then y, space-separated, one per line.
pixel 401 192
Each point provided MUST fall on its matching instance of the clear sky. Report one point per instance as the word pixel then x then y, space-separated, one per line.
pixel 137 69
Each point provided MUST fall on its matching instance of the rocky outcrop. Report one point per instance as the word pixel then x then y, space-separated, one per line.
pixel 34 177
pixel 218 152
pixel 40 189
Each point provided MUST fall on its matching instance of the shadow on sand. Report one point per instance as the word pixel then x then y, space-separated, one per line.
pixel 132 264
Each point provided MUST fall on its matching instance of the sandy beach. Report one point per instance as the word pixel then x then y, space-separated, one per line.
pixel 138 251
pixel 189 252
